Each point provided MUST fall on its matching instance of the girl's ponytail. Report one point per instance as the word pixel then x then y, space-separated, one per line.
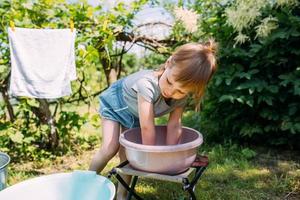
pixel 211 46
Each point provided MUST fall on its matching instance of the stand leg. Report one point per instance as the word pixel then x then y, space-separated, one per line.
pixel 199 172
pixel 190 186
pixel 192 194
pixel 135 178
pixel 128 188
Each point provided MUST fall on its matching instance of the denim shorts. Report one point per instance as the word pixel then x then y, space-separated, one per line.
pixel 113 106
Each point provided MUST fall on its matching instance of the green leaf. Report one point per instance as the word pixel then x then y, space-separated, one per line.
pixel 17 137
pixel 44 128
pixel 228 81
pixel 218 81
pixel 28 140
pixel 248 153
pixel 251 91
pixel 250 102
pixel 240 99
pixel 279 34
pixel 212 20
pixel 3 68
pixel 297 90
pixel 292 109
pixel 32 103
pixel 226 98
pixel 273 88
pixel 255 48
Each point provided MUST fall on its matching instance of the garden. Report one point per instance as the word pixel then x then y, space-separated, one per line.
pixel 249 116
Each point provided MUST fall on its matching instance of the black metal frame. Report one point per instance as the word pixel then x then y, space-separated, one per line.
pixel 188 185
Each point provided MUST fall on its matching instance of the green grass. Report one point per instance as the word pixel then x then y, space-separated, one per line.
pixel 229 176
pixel 233 173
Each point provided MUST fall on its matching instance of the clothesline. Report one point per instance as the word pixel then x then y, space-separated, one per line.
pixel 12 25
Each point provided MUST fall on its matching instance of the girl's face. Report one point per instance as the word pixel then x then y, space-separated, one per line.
pixel 169 87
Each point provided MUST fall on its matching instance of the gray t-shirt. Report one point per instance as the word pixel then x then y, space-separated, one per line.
pixel 145 83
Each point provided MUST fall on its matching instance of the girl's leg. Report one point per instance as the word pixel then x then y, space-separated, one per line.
pixel 109 147
pixel 122 192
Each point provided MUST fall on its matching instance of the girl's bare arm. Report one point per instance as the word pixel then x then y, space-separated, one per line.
pixel 174 129
pixel 146 116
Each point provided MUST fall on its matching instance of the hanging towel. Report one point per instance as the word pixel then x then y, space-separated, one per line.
pixel 42 62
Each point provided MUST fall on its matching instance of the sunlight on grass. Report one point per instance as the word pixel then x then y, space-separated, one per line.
pixel 228 177
pixel 146 188
pixel 249 173
pixel 15 177
pixel 295 173
pixel 234 173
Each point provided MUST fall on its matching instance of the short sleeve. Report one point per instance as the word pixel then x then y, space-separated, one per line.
pixel 182 102
pixel 146 89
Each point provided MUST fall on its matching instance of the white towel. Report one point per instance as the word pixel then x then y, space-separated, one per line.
pixel 42 62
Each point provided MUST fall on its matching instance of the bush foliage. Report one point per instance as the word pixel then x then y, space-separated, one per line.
pixel 255 94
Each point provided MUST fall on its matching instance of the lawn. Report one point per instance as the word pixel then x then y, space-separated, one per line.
pixel 233 173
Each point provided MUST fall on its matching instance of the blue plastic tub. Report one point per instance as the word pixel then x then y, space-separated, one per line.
pixel 79 185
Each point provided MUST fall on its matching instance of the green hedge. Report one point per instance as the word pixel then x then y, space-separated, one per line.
pixel 255 96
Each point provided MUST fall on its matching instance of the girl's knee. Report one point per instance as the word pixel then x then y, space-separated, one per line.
pixel 109 151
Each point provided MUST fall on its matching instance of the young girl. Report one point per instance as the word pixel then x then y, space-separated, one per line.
pixel 137 99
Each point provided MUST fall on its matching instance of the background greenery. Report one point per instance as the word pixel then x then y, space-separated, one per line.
pixel 252 101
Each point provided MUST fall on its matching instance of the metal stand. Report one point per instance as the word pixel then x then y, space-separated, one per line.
pixel 124 168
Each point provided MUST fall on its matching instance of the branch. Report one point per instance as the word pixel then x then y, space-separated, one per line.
pixel 82 97
pixel 153 24
pixel 154 43
pixel 120 61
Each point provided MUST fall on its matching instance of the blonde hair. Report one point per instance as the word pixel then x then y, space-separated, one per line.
pixel 197 64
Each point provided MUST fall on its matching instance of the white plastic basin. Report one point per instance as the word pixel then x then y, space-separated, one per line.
pixel 78 185
pixel 161 158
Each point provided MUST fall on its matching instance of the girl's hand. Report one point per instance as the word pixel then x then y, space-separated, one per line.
pixel 174 129
pixel 146 116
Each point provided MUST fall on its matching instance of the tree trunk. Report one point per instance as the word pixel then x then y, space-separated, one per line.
pixel 44 114
pixel 110 72
pixel 8 105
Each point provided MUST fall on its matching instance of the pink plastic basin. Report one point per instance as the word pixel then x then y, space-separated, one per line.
pixel 160 158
